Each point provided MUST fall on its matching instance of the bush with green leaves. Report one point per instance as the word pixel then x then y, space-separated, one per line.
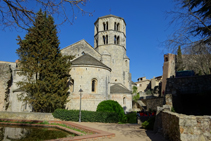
pixel 86 116
pixel 149 124
pixel 113 107
pixel 131 117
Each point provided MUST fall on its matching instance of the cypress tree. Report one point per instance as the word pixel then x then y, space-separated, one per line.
pixel 179 59
pixel 43 67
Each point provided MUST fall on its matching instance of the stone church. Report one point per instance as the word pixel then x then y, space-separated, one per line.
pixel 101 72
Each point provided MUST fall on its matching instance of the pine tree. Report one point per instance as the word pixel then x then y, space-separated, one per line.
pixel 179 60
pixel 45 70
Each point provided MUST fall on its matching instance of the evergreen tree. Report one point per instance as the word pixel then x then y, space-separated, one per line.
pixel 45 70
pixel 179 60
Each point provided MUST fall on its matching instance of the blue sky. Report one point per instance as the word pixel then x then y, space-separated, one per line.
pixel 147 27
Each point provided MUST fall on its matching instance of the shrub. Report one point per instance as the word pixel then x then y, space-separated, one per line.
pixel 131 118
pixel 112 106
pixel 86 116
pixel 149 124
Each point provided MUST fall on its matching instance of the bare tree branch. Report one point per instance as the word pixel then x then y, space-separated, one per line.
pixel 21 13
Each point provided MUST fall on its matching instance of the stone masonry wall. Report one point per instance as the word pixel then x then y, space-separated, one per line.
pixel 180 127
pixel 153 103
pixel 5 76
pixel 191 84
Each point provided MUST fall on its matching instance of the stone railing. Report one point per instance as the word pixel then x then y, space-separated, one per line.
pixel 180 127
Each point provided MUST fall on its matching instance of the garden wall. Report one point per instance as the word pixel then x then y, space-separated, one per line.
pixel 26 116
pixel 180 127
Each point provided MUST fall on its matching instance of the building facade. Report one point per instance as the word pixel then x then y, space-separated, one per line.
pixel 102 71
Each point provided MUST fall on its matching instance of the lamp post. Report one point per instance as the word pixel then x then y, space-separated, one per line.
pixel 80 104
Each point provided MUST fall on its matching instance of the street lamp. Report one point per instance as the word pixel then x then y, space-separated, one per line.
pixel 80 105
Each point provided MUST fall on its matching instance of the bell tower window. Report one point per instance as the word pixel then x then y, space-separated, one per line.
pixel 105 39
pixel 116 26
pixel 105 26
pixel 116 39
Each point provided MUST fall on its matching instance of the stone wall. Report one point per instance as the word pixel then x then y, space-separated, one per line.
pixel 26 116
pixel 153 103
pixel 180 127
pixel 190 95
pixel 5 81
pixel 189 84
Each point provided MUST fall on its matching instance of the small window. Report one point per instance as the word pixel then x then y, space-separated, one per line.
pixel 115 40
pixel 124 100
pixel 118 40
pixel 125 62
pixel 117 27
pixel 166 59
pixel 105 39
pixel 94 85
pixel 105 26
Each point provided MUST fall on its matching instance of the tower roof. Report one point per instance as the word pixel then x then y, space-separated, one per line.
pixel 88 60
pixel 108 16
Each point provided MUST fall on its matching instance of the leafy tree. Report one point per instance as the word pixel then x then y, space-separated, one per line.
pixel 45 71
pixel 21 13
pixel 179 60
pixel 136 95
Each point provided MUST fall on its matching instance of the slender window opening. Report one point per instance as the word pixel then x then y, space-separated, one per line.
pixel 105 39
pixel 115 26
pixel 94 85
pixel 124 100
pixel 115 40
pixel 105 26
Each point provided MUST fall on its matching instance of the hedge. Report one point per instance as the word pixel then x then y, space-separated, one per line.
pixel 131 117
pixel 86 116
pixel 112 106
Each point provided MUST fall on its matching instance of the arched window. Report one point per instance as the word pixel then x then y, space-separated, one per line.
pixel 117 27
pixel 115 40
pixel 105 26
pixel 124 100
pixel 94 85
pixel 104 39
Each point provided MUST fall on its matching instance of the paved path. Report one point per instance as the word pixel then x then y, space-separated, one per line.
pixel 125 132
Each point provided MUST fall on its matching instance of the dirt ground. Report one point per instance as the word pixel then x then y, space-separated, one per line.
pixel 125 132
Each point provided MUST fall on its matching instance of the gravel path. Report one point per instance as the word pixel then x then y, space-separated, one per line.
pixel 125 132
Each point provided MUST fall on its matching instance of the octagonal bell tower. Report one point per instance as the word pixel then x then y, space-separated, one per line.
pixel 110 42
